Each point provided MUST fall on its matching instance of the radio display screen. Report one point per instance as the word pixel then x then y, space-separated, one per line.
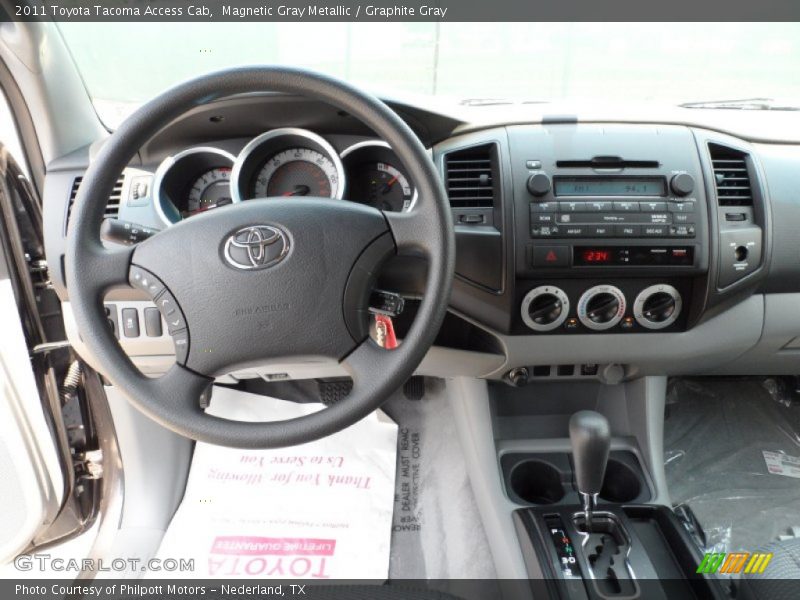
pixel 610 186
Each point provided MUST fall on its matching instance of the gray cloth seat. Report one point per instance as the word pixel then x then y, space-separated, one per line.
pixel 781 578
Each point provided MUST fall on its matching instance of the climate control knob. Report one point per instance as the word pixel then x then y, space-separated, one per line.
pixel 601 307
pixel 682 184
pixel 539 184
pixel 545 308
pixel 657 307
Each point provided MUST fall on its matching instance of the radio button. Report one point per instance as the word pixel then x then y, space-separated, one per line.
pixel 683 218
pixel 544 231
pixel 682 231
pixel 682 184
pixel 540 207
pixel 628 230
pixel 626 206
pixel 573 231
pixel 600 206
pixel 539 184
pixel 681 207
pixel 655 230
pixel 572 207
pixel 600 230
pixel 653 206
pixel 543 218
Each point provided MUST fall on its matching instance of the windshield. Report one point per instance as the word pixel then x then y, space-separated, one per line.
pixel 125 64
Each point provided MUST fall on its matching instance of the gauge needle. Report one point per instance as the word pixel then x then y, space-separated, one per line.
pixel 388 185
pixel 299 190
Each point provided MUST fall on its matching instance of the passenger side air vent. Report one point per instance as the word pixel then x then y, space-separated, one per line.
pixel 731 176
pixel 470 176
pixel 112 207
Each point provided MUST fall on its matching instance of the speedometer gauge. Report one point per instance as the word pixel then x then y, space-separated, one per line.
pixel 297 172
pixel 288 162
pixel 210 190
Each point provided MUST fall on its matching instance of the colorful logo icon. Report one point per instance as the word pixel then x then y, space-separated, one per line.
pixel 734 562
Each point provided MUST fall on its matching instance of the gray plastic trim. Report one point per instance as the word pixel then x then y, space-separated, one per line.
pixel 469 401
pixel 778 350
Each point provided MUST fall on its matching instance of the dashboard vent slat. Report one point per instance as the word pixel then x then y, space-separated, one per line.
pixel 731 176
pixel 471 177
pixel 112 206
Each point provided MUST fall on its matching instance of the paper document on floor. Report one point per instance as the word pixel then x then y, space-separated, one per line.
pixel 322 510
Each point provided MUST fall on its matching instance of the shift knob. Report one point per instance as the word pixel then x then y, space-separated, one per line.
pixel 590 436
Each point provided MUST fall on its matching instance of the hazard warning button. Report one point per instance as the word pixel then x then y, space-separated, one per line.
pixel 551 256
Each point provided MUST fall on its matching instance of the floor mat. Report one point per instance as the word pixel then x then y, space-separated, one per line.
pixel 437 531
pixel 729 450
pixel 317 511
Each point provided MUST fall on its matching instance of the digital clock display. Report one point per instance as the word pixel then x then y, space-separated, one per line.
pixel 595 256
pixel 610 186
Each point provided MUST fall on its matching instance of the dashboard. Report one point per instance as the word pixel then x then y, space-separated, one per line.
pixel 281 163
pixel 585 248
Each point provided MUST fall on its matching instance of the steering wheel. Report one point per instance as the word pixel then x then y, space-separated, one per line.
pixel 264 279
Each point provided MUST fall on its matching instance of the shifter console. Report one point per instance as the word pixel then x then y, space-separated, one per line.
pixel 606 547
pixel 628 551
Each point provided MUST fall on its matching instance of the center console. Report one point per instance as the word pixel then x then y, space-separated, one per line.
pixel 612 228
pixel 620 548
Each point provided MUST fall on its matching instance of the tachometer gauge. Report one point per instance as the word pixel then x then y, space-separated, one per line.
pixel 210 190
pixel 192 181
pixel 297 172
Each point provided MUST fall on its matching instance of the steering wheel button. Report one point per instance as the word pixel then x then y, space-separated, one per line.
pixel 172 312
pixel 145 281
pixel 181 341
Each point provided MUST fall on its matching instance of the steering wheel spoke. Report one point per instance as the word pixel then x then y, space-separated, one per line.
pixel 365 363
pixel 409 231
pixel 181 388
pixel 109 266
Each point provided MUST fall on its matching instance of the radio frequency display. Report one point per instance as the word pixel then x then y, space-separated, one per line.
pixel 610 186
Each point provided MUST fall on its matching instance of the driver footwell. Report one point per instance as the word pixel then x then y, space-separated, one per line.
pixel 416 518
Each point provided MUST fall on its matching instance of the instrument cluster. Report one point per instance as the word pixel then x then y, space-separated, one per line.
pixel 281 163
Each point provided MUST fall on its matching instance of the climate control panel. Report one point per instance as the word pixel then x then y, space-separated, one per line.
pixel 585 306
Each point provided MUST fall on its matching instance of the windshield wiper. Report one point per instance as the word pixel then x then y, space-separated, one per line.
pixel 741 104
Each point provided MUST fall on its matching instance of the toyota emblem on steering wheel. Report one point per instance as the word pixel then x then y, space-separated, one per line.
pixel 256 247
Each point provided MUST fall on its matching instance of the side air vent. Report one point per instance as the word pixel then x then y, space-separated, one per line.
pixel 731 176
pixel 112 207
pixel 470 176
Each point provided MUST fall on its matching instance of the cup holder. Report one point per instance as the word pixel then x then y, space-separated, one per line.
pixel 537 482
pixel 621 483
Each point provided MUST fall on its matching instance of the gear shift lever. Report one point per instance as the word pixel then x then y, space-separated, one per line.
pixel 590 436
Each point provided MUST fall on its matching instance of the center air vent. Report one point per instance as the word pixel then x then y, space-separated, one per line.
pixel 731 176
pixel 112 206
pixel 470 176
